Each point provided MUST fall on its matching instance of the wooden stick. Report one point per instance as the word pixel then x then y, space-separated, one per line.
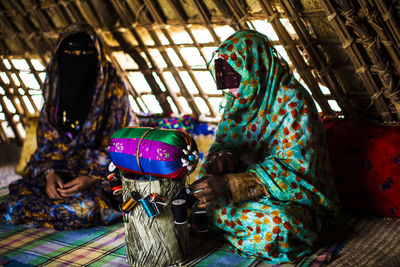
pixel 385 74
pixel 185 65
pixel 323 69
pixel 379 27
pixel 295 57
pixel 362 68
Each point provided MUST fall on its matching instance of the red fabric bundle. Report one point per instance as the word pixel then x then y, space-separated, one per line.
pixel 366 162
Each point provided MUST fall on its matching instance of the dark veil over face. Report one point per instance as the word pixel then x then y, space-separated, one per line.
pixel 78 71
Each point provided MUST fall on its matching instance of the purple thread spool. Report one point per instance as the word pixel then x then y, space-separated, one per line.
pixel 179 210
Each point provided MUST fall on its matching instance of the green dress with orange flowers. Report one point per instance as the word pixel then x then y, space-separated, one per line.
pixel 273 128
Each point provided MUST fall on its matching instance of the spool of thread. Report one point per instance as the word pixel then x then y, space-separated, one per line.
pixel 115 183
pixel 187 194
pixel 130 202
pixel 156 198
pixel 149 207
pixel 179 210
pixel 201 220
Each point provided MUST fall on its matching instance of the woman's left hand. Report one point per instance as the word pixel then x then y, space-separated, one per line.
pixel 209 188
pixel 77 185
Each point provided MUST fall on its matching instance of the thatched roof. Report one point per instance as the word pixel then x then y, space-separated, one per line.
pixel 346 52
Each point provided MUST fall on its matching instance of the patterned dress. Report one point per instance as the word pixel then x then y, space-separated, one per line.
pixel 272 126
pixel 84 154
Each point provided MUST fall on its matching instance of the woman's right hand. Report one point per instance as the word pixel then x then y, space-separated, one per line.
pixel 53 181
pixel 209 188
pixel 220 163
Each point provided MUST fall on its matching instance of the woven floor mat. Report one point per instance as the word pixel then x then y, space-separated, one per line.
pixel 372 241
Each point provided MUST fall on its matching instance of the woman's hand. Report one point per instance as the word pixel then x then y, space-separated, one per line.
pixel 209 188
pixel 53 183
pixel 77 185
pixel 220 163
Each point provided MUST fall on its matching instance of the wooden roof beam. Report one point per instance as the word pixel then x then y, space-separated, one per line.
pixel 147 72
pixel 154 12
pixel 322 67
pixel 201 8
pixel 295 57
pixel 377 23
pixel 24 87
pixel 159 94
pixel 176 6
pixel 391 83
pixel 391 21
pixel 359 63
pixel 227 13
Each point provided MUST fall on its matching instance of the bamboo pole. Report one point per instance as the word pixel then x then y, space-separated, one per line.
pixel 186 66
pixel 25 88
pixel 227 13
pixel 390 83
pixel 376 22
pixel 3 135
pixel 20 109
pixel 160 96
pixel 387 15
pixel 361 66
pixel 123 13
pixel 9 118
pixel 206 20
pixel 163 52
pixel 324 70
pixel 295 57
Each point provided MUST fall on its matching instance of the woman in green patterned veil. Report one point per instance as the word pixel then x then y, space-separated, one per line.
pixel 267 175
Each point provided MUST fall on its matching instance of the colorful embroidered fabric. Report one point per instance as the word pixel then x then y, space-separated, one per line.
pixel 366 162
pixel 160 152
pixel 185 123
pixel 274 129
pixel 83 155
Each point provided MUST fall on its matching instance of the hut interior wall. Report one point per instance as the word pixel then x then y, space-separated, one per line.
pixel 346 53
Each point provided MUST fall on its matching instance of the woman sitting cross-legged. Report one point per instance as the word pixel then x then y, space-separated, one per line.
pixel 267 176
pixel 64 184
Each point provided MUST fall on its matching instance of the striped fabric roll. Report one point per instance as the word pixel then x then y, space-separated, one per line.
pixel 162 153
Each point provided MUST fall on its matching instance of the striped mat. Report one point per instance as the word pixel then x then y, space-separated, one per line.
pixel 104 246
pixel 359 241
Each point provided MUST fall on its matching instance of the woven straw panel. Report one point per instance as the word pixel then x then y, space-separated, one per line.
pixel 311 4
pixel 190 8
pixel 253 6
pixel 167 10
pixel 212 8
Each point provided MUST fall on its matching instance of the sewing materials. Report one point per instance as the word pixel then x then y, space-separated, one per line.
pixel 179 210
pixel 130 202
pixel 201 220
pixel 187 194
pixel 149 207
pixel 160 153
pixel 156 198
pixel 151 154
pixel 115 183
pixel 157 241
